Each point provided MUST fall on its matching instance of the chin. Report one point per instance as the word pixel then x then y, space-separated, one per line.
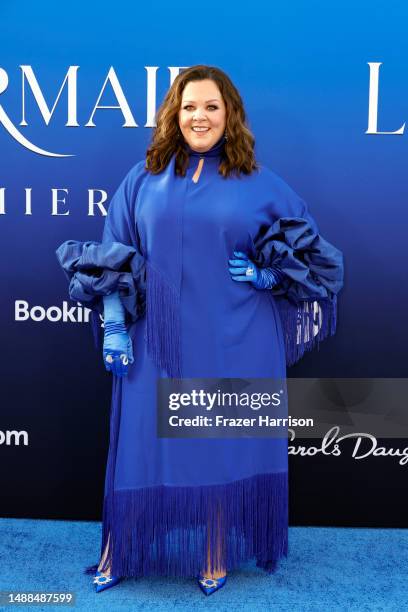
pixel 206 143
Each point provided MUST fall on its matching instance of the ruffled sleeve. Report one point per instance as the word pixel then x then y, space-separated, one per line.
pixel 95 269
pixel 313 276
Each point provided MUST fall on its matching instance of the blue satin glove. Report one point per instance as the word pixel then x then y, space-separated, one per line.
pixel 244 270
pixel 117 345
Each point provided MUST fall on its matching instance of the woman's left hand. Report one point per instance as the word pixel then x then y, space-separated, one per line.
pixel 243 269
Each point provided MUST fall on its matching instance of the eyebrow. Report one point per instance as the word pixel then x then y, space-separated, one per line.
pixel 212 100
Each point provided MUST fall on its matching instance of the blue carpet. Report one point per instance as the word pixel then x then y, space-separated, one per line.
pixel 327 569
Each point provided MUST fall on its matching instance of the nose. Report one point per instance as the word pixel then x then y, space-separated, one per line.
pixel 198 114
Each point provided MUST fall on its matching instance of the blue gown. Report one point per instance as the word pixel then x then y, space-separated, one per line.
pixel 170 503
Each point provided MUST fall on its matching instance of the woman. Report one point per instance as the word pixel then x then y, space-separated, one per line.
pixel 210 266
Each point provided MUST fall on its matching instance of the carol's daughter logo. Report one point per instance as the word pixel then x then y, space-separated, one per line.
pixel 366 445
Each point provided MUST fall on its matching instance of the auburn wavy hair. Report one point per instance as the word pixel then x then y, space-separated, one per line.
pixel 167 138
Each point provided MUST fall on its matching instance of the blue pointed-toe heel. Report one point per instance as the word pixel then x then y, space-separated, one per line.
pixel 210 585
pixel 102 582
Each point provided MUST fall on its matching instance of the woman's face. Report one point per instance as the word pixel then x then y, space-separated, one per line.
pixel 202 106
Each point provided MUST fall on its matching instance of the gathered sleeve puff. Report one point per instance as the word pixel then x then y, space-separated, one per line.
pixel 95 269
pixel 313 272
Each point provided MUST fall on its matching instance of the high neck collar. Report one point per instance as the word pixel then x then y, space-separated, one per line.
pixel 215 150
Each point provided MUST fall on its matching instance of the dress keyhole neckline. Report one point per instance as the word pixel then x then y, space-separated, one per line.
pixel 197 172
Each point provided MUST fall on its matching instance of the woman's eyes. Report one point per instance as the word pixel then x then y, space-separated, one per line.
pixel 188 106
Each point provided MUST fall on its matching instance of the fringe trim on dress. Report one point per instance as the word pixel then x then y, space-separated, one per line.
pixel 176 531
pixel 306 324
pixel 163 335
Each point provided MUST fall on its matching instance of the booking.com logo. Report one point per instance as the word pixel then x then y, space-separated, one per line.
pixel 54 314
pixel 14 438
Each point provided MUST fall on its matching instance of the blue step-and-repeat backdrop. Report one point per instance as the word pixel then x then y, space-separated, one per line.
pixel 326 94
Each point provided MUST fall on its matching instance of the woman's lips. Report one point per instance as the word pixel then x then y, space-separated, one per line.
pixel 200 131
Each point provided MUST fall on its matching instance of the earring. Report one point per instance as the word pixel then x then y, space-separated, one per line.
pixel 225 135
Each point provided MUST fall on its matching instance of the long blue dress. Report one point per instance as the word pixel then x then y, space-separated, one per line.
pixel 171 503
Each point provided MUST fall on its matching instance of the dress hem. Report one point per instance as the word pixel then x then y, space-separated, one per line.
pixel 177 531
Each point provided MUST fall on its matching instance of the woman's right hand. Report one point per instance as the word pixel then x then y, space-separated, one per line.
pixel 117 348
pixel 117 345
